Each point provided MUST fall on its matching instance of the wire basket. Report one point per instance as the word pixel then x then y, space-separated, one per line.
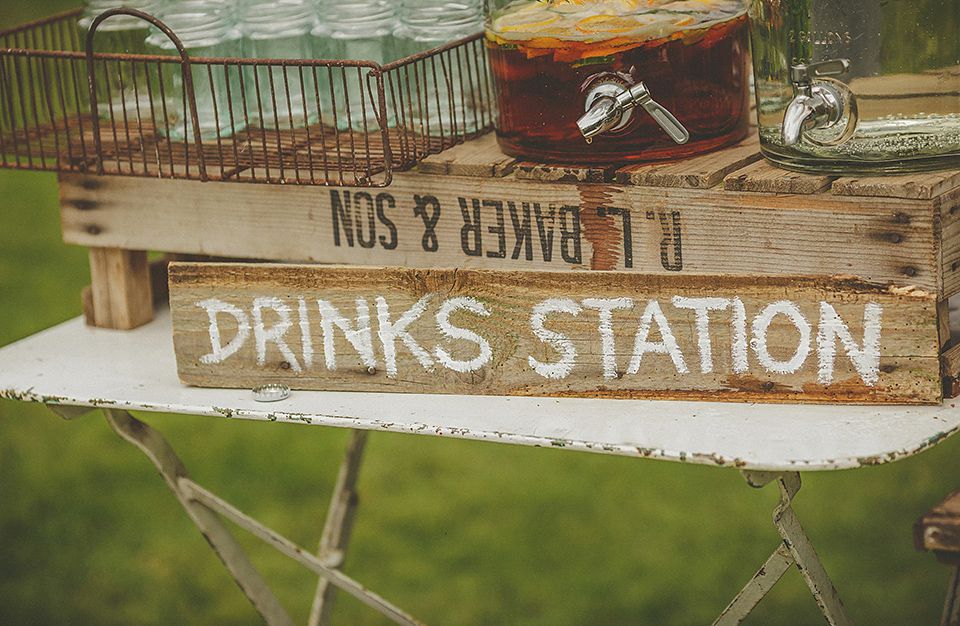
pixel 317 122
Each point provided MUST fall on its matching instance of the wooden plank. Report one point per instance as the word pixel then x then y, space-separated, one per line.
pixel 481 157
pixel 564 173
pixel 698 172
pixel 916 185
pixel 765 177
pixel 606 334
pixel 506 223
pixel 950 366
pixel 938 530
pixel 120 294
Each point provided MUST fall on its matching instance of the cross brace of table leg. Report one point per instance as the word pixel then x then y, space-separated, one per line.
pixel 206 509
pixel 795 548
pixel 337 529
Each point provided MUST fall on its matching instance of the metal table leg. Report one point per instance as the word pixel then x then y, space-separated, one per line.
pixel 796 548
pixel 951 605
pixel 205 509
pixel 339 524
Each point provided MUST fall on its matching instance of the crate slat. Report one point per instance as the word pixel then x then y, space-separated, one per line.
pixel 762 176
pixel 699 172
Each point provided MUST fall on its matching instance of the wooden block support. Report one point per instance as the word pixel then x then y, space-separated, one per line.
pixel 120 294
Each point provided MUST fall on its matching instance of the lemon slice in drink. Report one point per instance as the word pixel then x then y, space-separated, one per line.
pixel 612 24
pixel 533 18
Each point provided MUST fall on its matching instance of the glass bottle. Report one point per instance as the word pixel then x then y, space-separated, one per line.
pixel 359 30
pixel 446 105
pixel 278 96
pixel 206 28
pixel 120 87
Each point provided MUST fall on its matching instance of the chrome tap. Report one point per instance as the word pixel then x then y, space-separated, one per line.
pixel 609 106
pixel 819 105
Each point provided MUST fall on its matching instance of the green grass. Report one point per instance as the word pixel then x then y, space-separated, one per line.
pixel 455 532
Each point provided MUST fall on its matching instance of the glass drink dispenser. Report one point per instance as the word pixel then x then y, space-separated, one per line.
pixel 857 86
pixel 607 81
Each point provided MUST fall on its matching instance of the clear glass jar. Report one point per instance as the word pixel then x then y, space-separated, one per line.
pixel 561 66
pixel 120 90
pixel 446 106
pixel 278 97
pixel 360 30
pixel 857 86
pixel 207 29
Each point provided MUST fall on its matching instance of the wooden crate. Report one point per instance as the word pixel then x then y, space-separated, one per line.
pixel 713 220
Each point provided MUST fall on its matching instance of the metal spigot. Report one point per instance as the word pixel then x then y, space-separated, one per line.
pixel 609 106
pixel 819 105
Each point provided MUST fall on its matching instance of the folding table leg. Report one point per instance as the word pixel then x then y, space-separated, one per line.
pixel 205 510
pixel 951 606
pixel 339 524
pixel 796 548
pixel 151 443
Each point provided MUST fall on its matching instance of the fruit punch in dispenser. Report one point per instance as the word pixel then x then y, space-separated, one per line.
pixel 606 81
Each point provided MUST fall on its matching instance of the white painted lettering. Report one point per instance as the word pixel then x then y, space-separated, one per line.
pixel 761 324
pixel 606 307
pixel 275 334
pixel 220 352
pixel 358 334
pixel 389 332
pixel 702 308
pixel 306 341
pixel 455 332
pixel 668 345
pixel 866 359
pixel 558 341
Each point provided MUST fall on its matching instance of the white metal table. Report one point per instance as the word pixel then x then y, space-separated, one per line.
pixel 74 368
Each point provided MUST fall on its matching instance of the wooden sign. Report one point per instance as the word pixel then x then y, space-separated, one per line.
pixel 590 334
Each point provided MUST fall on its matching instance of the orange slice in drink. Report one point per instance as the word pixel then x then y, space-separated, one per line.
pixel 533 18
pixel 612 24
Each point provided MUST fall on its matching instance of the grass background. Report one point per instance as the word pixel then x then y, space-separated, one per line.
pixel 454 532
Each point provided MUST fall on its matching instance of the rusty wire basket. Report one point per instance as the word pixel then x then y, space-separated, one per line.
pixel 280 121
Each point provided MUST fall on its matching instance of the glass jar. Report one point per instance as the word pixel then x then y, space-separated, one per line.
pixel 857 86
pixel 360 30
pixel 447 106
pixel 207 29
pixel 569 74
pixel 120 90
pixel 278 96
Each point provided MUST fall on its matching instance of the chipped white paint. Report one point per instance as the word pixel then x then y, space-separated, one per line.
pixel 73 364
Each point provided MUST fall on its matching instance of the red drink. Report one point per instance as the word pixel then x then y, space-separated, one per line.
pixel 694 64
